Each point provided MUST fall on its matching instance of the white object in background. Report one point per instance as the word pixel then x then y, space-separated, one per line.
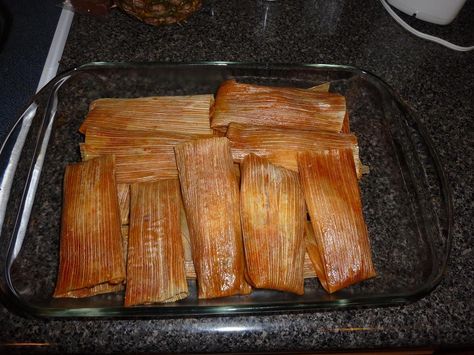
pixel 440 12
pixel 421 34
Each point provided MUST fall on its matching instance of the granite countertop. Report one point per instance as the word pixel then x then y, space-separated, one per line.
pixel 436 81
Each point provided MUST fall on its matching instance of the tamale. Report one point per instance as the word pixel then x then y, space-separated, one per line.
pixel 140 155
pixel 333 199
pixel 277 107
pixel 188 114
pixel 91 255
pixel 308 268
pixel 121 140
pixel 210 193
pixel 324 87
pixel 139 167
pixel 273 215
pixel 281 146
pixel 189 266
pixel 155 265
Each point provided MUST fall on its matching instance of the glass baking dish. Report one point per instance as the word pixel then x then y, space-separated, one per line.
pixel 407 204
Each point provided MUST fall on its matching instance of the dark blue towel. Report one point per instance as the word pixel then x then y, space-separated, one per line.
pixel 28 31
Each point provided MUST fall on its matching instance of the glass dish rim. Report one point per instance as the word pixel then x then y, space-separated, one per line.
pixel 13 301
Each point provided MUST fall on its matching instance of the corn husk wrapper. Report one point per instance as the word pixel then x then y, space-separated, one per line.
pixel 140 167
pixel 273 215
pixel 140 155
pixel 345 124
pixel 93 291
pixel 324 87
pixel 124 232
pixel 161 113
pixel 155 266
pixel 308 267
pixel 147 141
pixel 342 254
pixel 186 240
pixel 281 146
pixel 91 253
pixel 277 107
pixel 123 194
pixel 210 193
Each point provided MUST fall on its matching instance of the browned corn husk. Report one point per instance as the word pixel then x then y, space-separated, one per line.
pixel 345 124
pixel 273 215
pixel 155 266
pixel 210 193
pixel 189 266
pixel 308 271
pixel 277 107
pixel 312 251
pixel 124 232
pixel 324 87
pixel 91 254
pixel 333 199
pixel 188 256
pixel 281 146
pixel 140 155
pixel 133 168
pixel 188 114
pixel 123 193
pixel 217 133
pixel 121 140
pixel 105 287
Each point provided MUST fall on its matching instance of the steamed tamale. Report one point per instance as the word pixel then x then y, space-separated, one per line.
pixel 210 193
pixel 324 87
pixel 140 155
pixel 121 139
pixel 277 107
pixel 188 114
pixel 155 266
pixel 189 265
pixel 139 167
pixel 308 268
pixel 91 255
pixel 273 215
pixel 281 146
pixel 332 196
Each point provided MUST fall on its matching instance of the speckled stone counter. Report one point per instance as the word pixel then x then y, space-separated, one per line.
pixel 437 82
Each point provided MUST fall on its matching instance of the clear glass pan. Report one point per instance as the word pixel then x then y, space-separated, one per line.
pixel 407 204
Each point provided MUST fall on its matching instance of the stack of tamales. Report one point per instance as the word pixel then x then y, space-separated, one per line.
pixel 218 190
